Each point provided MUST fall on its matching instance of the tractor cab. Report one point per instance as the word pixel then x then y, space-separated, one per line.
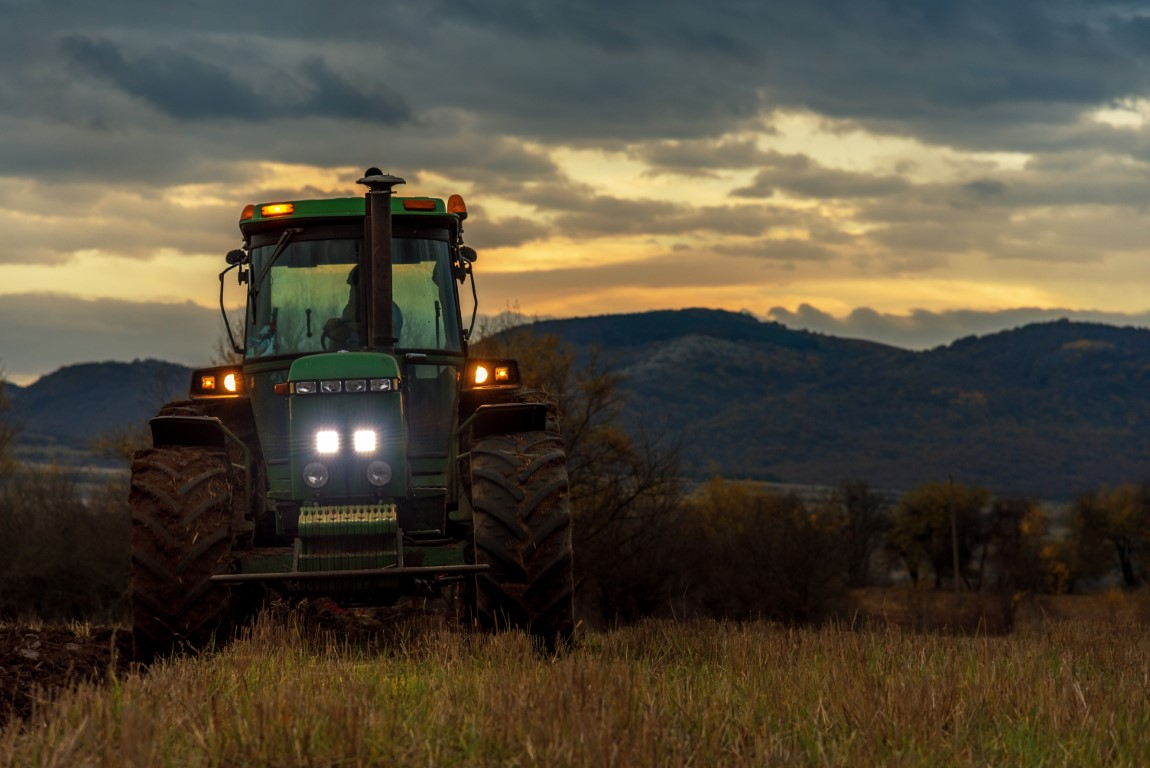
pixel 309 352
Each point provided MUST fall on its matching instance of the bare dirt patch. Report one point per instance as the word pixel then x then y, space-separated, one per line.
pixel 37 663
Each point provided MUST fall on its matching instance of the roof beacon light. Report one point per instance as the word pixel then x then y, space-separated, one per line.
pixel 455 204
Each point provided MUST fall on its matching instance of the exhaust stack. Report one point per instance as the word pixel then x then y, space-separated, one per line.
pixel 377 206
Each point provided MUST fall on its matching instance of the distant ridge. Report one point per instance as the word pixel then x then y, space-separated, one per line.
pixel 79 403
pixel 1049 409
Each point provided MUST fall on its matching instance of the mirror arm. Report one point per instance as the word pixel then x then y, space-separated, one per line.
pixel 474 306
pixel 227 323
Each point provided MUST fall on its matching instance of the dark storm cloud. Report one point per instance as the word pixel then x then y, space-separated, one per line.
pixel 185 87
pixel 606 216
pixel 104 329
pixel 922 329
pixel 701 156
pixel 975 74
pixel 799 176
pixel 933 68
pixel 984 189
pixel 505 233
pixel 786 250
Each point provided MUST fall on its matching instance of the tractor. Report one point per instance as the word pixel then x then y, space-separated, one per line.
pixel 359 453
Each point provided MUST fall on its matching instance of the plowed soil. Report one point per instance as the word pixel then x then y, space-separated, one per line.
pixel 36 664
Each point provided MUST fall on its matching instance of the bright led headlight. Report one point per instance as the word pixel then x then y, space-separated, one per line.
pixel 315 475
pixel 327 441
pixel 364 440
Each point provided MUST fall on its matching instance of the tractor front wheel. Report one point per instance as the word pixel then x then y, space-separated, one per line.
pixel 522 521
pixel 181 502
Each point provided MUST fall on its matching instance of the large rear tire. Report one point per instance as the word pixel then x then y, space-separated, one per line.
pixel 522 522
pixel 181 501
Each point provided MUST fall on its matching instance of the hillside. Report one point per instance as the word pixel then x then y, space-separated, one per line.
pixel 1049 409
pixel 78 403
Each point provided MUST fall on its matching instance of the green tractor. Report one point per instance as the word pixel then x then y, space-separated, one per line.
pixel 358 453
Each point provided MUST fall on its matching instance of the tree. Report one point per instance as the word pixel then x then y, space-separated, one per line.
pixel 866 520
pixel 624 484
pixel 748 552
pixel 921 533
pixel 223 353
pixel 1112 528
pixel 1018 550
pixel 8 429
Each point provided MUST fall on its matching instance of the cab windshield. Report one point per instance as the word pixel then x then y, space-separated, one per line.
pixel 306 298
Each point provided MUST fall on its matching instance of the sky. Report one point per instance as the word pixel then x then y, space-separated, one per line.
pixel 904 171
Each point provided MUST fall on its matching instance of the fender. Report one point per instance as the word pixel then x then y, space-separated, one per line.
pixel 202 431
pixel 506 418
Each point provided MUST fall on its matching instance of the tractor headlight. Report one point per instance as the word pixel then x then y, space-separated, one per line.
pixel 355 385
pixel 379 473
pixel 315 475
pixel 330 387
pixel 327 441
pixel 305 388
pixel 364 440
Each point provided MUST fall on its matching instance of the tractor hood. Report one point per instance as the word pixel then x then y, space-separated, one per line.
pixel 348 432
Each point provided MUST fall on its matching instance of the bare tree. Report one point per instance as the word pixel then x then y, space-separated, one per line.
pixel 624 483
pixel 8 428
pixel 867 518
pixel 223 353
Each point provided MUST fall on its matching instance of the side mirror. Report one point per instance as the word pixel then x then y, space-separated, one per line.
pixel 462 265
pixel 236 257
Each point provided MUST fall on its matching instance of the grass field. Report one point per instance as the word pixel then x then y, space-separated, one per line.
pixel 418 693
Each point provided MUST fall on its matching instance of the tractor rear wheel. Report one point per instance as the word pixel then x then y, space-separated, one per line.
pixel 181 501
pixel 522 522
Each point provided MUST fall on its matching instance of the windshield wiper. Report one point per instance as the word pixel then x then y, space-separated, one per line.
pixel 254 288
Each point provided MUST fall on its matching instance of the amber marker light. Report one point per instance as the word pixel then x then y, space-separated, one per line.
pixel 492 373
pixel 249 213
pixel 216 383
pixel 417 204
pixel 455 204
pixel 277 209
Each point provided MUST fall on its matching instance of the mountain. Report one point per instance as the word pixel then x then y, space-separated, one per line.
pixel 79 403
pixel 1051 409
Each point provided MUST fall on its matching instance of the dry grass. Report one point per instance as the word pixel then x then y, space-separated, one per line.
pixel 652 695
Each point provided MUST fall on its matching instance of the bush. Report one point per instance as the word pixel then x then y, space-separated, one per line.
pixel 62 556
pixel 746 552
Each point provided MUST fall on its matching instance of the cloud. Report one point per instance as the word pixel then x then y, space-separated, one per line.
pixel 799 176
pixel 185 87
pixel 42 332
pixel 922 329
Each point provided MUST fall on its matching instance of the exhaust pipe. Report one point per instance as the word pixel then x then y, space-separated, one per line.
pixel 377 207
